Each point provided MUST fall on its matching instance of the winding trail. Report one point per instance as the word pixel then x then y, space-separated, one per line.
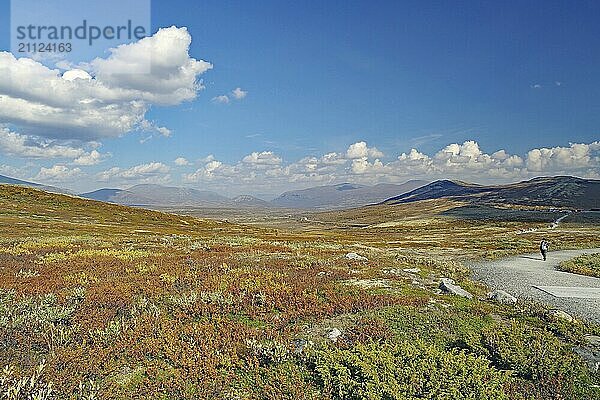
pixel 522 275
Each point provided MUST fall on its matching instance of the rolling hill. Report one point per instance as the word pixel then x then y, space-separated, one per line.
pixel 559 191
pixel 246 200
pixel 158 195
pixel 344 195
pixel 5 180
pixel 117 196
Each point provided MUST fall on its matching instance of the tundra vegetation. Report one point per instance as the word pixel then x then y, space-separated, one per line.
pixel 587 264
pixel 105 301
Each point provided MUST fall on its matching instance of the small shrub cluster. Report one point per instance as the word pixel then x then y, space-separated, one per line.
pixel 406 371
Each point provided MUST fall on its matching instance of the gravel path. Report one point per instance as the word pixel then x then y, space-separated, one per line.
pixel 518 276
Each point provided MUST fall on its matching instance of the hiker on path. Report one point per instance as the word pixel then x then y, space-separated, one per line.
pixel 544 245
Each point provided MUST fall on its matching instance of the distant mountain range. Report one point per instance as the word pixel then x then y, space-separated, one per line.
pixel 5 180
pixel 344 195
pixel 158 195
pixel 559 191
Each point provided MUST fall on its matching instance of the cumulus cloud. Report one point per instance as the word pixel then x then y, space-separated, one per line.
pixel 14 172
pixel 361 150
pixel 575 157
pixel 27 146
pixel 262 158
pixel 91 158
pixel 58 173
pixel 107 97
pixel 181 162
pixel 238 93
pixel 157 69
pixel 223 99
pixel 262 172
pixel 154 172
pixel 266 172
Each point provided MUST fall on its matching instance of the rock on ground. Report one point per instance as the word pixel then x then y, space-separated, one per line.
pixel 560 314
pixel 502 297
pixel 334 334
pixel 448 285
pixel 412 270
pixel 354 256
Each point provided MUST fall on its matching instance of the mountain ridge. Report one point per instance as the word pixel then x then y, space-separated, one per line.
pixel 557 191
pixel 342 195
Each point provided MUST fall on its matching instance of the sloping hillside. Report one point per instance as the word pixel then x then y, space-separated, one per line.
pixel 560 191
pixel 29 212
pixel 5 180
pixel 116 196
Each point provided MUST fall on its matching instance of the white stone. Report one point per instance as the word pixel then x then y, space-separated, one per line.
pixel 354 256
pixel 334 334
pixel 502 297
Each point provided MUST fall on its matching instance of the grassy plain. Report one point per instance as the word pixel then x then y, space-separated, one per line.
pixel 105 301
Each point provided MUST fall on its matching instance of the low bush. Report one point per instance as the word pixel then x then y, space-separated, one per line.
pixel 406 371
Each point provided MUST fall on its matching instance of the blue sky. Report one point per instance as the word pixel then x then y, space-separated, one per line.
pixel 321 76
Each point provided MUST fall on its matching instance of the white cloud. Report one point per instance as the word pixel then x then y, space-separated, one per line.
pixel 13 172
pixel 157 69
pixel 221 99
pixel 73 74
pixel 109 99
pixel 27 146
pixel 361 150
pixel 151 127
pixel 264 172
pixel 154 172
pixel 207 172
pixel 564 159
pixel 181 162
pixel 262 158
pixel 413 155
pixel 91 158
pixel 57 173
pixel 212 166
pixel 238 93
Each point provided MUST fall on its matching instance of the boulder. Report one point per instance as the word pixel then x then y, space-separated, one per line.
pixel 593 340
pixel 448 285
pixel 560 314
pixel 357 257
pixel 502 297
